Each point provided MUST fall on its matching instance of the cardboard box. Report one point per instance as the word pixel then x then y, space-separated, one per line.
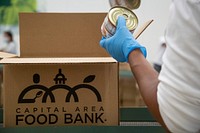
pixel 61 35
pixel 60 92
pixel 62 77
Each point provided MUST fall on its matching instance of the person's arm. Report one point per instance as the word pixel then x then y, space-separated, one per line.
pixel 147 79
pixel 124 48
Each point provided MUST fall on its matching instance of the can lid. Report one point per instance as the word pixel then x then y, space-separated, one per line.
pixel 131 18
pixel 133 4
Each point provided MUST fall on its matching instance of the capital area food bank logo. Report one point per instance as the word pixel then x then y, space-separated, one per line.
pixel 60 83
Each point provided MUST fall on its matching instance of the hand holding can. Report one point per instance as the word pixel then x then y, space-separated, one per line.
pixel 108 27
pixel 122 43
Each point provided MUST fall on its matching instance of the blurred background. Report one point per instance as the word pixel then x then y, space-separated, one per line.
pixel 151 38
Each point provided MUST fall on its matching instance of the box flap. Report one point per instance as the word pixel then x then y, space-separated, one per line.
pixel 57 60
pixel 6 55
pixel 61 35
pixel 142 29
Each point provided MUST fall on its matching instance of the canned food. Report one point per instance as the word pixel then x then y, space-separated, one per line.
pixel 109 25
pixel 131 4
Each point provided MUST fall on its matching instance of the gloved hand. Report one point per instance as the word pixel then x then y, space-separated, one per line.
pixel 120 45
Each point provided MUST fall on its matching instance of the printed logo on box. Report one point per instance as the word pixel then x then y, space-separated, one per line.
pixel 28 117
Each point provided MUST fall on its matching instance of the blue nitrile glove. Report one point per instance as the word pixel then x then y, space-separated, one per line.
pixel 120 45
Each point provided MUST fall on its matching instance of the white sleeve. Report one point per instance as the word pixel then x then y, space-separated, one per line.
pixel 179 88
pixel 160 51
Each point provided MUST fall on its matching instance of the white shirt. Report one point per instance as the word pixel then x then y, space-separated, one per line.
pixel 179 88
pixel 160 52
pixel 9 48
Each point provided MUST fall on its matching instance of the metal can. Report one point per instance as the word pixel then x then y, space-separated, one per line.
pixel 131 4
pixel 109 25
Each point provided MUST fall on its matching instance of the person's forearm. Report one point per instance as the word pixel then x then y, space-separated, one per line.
pixel 147 79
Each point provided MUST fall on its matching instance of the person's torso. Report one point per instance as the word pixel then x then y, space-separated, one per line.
pixel 10 48
pixel 179 87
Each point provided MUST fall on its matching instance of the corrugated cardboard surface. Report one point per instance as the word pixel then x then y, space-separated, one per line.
pixel 57 60
pixel 47 86
pixel 37 79
pixel 61 35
